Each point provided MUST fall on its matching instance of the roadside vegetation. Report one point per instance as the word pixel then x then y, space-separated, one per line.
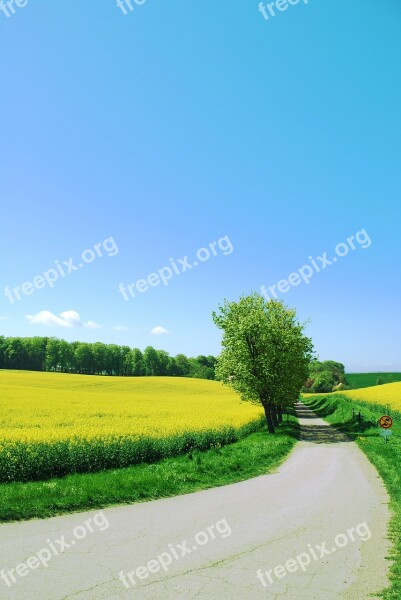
pixel 257 454
pixel 359 419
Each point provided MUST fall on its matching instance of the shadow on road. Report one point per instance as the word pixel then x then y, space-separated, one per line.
pixel 317 434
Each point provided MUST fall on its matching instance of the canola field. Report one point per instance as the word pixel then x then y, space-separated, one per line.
pixel 53 424
pixel 386 394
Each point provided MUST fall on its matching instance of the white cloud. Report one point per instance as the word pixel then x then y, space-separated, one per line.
pixel 159 330
pixel 91 325
pixel 120 328
pixel 68 318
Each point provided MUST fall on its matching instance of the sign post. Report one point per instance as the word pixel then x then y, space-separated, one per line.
pixel 386 434
pixel 385 422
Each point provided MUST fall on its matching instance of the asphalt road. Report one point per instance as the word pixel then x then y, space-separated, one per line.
pixel 315 529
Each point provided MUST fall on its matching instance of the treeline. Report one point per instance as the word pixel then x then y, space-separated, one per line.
pixel 326 376
pixel 52 354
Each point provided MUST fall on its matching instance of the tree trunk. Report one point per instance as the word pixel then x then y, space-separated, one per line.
pixel 269 420
pixel 280 415
pixel 274 416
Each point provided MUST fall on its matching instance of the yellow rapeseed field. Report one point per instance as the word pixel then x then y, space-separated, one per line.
pixel 52 424
pixel 386 394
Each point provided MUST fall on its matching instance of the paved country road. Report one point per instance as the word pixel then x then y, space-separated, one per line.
pixel 325 499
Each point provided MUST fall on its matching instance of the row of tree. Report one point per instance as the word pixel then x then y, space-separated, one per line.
pixel 326 376
pixel 52 354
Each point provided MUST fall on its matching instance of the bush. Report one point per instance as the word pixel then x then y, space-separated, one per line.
pixel 322 383
pixel 324 376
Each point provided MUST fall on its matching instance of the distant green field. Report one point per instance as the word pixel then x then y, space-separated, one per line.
pixel 362 380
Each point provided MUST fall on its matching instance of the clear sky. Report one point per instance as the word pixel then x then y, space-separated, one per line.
pixel 180 123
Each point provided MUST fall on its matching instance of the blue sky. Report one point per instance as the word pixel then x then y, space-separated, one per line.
pixel 178 124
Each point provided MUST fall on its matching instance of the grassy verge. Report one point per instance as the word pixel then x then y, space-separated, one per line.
pixel 257 454
pixel 337 410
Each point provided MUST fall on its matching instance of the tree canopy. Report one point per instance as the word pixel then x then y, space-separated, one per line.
pixel 325 376
pixel 265 353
